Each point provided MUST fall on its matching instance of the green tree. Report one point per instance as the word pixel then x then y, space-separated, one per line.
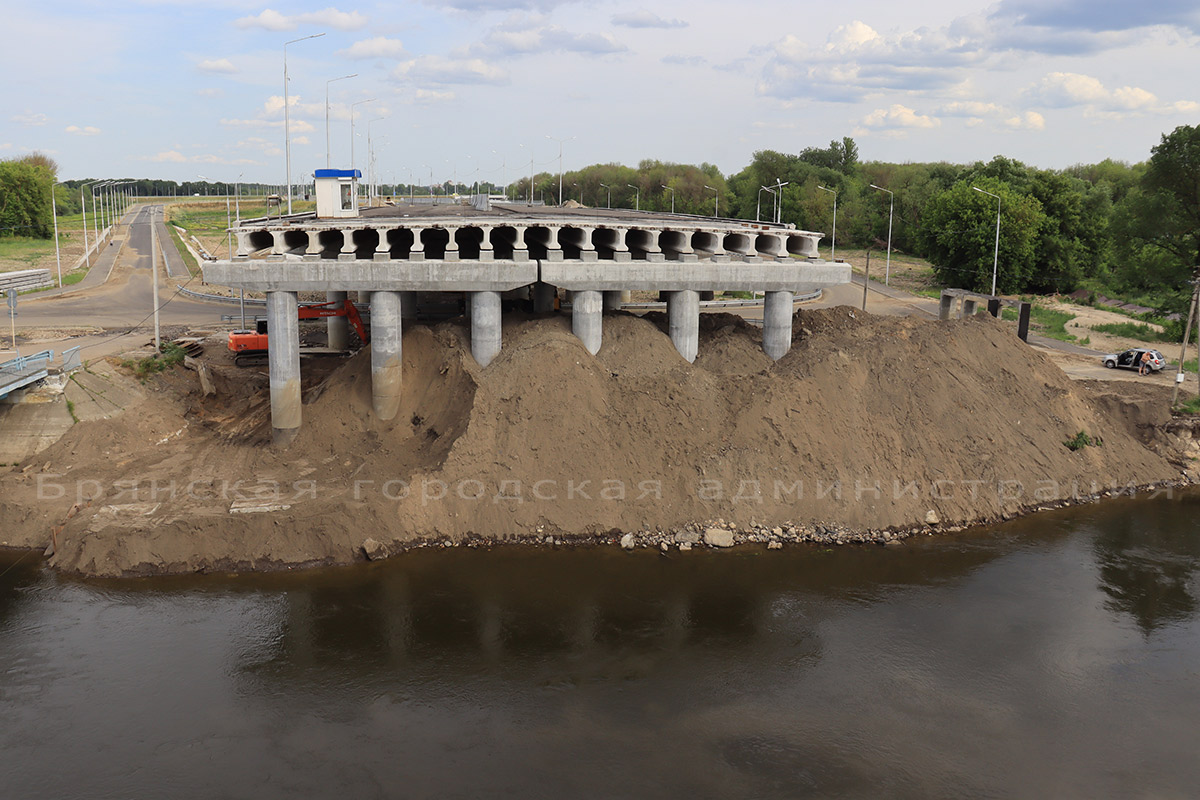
pixel 960 229
pixel 25 186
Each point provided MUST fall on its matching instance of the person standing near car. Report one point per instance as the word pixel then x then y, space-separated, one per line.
pixel 1144 363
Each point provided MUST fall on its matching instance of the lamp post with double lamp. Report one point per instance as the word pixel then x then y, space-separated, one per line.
pixel 609 188
pixel 779 200
pixel 996 252
pixel 672 191
pixel 637 197
pixel 96 210
pixel 887 272
pixel 716 200
pixel 287 118
pixel 352 105
pixel 833 250
pixel 560 163
pixel 331 80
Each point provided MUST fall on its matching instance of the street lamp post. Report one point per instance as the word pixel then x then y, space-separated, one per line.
pixel 779 200
pixel 560 164
pixel 87 256
pixel 716 200
pixel 996 253
pixel 287 118
pixel 609 188
pixel 833 251
pixel 672 191
pixel 352 105
pixel 887 272
pixel 758 208
pixel 371 162
pixel 54 214
pixel 331 80
pixel 637 197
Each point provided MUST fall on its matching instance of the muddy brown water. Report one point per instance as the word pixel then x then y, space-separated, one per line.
pixel 1055 656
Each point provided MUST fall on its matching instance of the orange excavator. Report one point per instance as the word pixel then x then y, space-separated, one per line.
pixel 250 347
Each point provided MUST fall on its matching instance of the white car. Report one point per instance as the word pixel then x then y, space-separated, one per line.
pixel 1132 359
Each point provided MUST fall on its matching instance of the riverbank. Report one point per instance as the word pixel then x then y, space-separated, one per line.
pixel 871 429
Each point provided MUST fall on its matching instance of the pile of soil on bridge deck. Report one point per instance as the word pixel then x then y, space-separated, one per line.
pixel 868 423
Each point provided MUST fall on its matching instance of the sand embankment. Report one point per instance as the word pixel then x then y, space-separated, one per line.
pixel 870 423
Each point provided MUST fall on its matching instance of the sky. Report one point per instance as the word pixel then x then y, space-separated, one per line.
pixel 475 89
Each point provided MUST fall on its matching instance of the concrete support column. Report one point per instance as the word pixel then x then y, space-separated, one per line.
pixel 485 326
pixel 587 315
pixel 683 316
pixel 968 307
pixel 1023 322
pixel 385 353
pixel 279 246
pixel 283 359
pixel 613 300
pixel 543 298
pixel 993 306
pixel 337 328
pixel 777 324
pixel 946 306
pixel 451 244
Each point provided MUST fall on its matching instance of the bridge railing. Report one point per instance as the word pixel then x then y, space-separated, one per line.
pixel 21 363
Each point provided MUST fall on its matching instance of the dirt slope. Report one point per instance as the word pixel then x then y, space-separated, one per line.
pixel 869 423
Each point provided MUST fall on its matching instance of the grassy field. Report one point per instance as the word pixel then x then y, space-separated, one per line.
pixel 25 252
pixel 908 273
pixel 207 220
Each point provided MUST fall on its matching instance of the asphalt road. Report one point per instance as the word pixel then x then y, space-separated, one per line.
pixel 126 299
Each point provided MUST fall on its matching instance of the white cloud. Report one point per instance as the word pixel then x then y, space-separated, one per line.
pixel 1072 90
pixel 378 47
pixel 1029 121
pixel 643 18
pixel 209 92
pixel 298 125
pixel 30 118
pixel 857 62
pixel 440 70
pixel 969 108
pixel 217 65
pixel 300 140
pixel 86 130
pixel 272 20
pixel 169 156
pixel 898 116
pixel 428 96
pixel 528 35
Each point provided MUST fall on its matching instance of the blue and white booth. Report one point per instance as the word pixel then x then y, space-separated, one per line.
pixel 337 192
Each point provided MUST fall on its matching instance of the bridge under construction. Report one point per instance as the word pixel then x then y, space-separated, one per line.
pixel 489 250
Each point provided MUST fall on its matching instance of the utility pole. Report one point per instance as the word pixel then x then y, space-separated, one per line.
pixel 866 279
pixel 154 278
pixel 1186 331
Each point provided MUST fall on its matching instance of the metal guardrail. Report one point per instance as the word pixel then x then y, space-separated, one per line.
pixel 22 363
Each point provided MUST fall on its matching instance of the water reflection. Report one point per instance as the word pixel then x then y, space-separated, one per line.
pixel 583 615
pixel 1148 561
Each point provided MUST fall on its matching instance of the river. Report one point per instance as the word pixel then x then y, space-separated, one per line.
pixel 1053 656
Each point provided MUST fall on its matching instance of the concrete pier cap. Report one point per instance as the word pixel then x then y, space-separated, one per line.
pixel 597 255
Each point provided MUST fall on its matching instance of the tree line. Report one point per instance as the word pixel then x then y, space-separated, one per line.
pixel 1131 229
